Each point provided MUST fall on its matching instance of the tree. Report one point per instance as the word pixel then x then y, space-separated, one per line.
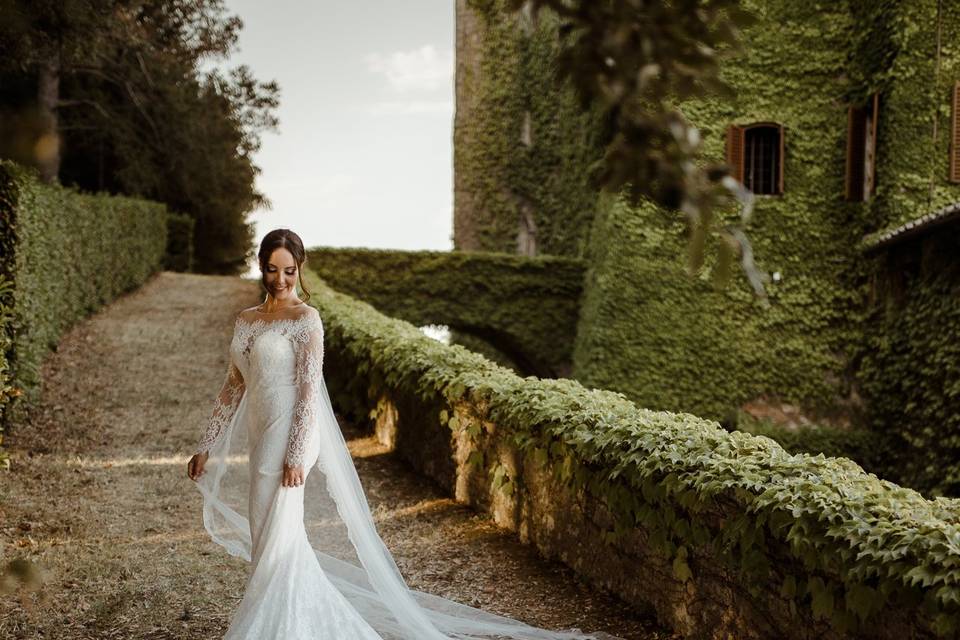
pixel 41 38
pixel 133 113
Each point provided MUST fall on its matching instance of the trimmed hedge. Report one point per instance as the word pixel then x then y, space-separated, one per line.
pixel 809 544
pixel 525 307
pixel 7 390
pixel 66 254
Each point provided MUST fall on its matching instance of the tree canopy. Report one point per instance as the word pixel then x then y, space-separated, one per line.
pixel 124 96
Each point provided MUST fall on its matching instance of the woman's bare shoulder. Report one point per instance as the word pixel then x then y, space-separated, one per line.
pixel 245 313
pixel 301 310
pixel 306 310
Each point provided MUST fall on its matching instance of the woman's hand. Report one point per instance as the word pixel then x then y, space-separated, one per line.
pixel 292 476
pixel 195 466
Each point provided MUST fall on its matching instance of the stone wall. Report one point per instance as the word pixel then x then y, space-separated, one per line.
pixel 570 526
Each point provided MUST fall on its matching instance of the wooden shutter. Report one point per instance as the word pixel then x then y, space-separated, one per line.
pixel 856 145
pixel 955 135
pixel 782 160
pixel 735 151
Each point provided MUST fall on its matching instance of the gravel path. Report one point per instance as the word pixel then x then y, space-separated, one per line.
pixel 97 492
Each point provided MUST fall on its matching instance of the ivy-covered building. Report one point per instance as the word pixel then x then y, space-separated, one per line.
pixel 844 124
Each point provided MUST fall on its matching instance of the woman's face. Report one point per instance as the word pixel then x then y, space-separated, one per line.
pixel 281 275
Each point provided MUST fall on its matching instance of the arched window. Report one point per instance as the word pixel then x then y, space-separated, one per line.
pixel 755 155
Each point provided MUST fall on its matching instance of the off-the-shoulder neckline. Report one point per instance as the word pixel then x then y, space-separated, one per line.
pixel 303 316
pixel 271 313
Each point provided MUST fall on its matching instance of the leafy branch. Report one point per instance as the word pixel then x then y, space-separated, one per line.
pixel 633 60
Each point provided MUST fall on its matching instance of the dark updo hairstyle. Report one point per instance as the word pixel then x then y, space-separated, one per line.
pixel 286 239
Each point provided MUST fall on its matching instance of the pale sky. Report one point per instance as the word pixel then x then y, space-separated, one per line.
pixel 364 152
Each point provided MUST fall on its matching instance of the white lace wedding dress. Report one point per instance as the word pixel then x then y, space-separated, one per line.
pixel 318 568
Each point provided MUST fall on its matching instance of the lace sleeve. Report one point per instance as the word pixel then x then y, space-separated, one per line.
pixel 308 343
pixel 223 408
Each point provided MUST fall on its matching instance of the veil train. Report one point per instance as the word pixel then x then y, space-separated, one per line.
pixel 343 536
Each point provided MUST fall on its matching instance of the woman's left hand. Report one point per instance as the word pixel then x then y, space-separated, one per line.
pixel 292 476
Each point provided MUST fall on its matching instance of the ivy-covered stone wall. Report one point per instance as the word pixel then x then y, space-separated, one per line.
pixel 914 60
pixel 910 369
pixel 670 341
pixel 521 144
pixel 828 346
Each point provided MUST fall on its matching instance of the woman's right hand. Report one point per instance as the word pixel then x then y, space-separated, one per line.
pixel 195 466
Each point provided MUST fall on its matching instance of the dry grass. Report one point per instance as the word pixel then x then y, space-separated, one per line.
pixel 97 493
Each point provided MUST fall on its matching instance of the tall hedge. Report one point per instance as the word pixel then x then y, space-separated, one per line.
pixel 66 254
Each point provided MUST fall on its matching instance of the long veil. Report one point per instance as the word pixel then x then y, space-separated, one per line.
pixel 341 531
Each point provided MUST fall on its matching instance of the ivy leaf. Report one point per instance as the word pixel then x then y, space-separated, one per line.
pixel 789 587
pixel 540 456
pixel 922 574
pixel 861 599
pixel 945 624
pixel 475 458
pixel 680 567
pixel 822 599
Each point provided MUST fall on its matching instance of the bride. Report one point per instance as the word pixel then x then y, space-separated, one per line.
pixel 280 490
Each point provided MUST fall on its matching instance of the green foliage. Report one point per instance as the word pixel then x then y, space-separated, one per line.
pixel 869 449
pixel 7 390
pixel 907 363
pixel 512 89
pixel 910 369
pixel 839 544
pixel 672 342
pixel 179 255
pixel 71 254
pixel 469 292
pixel 915 81
pixel 136 113
pixel 633 61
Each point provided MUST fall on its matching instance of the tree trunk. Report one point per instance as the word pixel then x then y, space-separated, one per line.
pixel 47 148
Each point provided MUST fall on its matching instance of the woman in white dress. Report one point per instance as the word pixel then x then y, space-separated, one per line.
pixel 272 452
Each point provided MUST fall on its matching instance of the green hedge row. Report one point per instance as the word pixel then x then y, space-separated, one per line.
pixel 65 255
pixel 7 390
pixel 840 546
pixel 526 307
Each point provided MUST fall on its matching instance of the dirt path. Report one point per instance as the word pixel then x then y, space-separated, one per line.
pixel 97 492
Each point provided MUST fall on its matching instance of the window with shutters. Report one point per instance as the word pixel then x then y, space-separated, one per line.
pixel 862 150
pixel 955 135
pixel 755 156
